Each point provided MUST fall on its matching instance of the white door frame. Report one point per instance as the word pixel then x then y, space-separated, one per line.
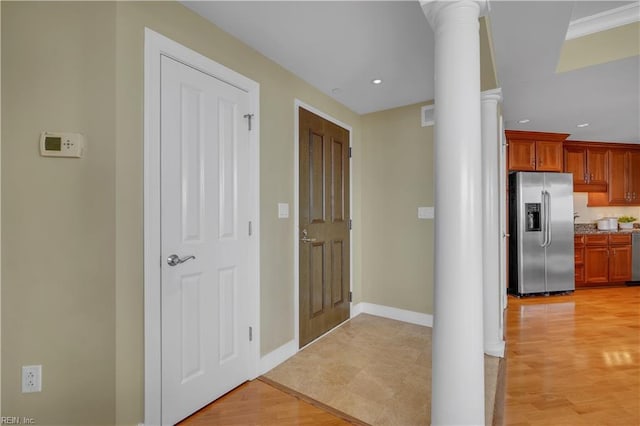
pixel 156 45
pixel 296 211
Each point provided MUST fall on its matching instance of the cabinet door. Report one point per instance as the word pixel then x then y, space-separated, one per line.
pixel 596 264
pixel 549 156
pixel 579 265
pixel 575 163
pixel 620 263
pixel 597 165
pixel 522 155
pixel 633 176
pixel 618 189
pixel 580 281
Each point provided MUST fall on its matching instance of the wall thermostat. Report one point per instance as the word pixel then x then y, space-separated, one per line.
pixel 54 144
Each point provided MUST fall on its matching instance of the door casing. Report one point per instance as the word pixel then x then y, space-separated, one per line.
pixel 157 45
pixel 296 216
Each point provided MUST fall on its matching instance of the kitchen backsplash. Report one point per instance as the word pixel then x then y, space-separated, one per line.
pixel 592 214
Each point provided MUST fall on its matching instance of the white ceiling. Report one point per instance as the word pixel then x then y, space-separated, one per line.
pixel 527 39
pixel 340 46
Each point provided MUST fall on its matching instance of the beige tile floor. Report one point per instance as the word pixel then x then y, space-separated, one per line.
pixel 375 369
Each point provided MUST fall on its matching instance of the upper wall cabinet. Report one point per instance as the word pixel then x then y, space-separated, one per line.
pixel 623 178
pixel 589 166
pixel 535 151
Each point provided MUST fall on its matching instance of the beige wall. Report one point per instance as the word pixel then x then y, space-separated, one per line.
pixel 0 209
pixel 58 243
pixel 488 76
pixel 397 247
pixel 278 89
pixel 599 48
pixel 592 214
pixel 84 320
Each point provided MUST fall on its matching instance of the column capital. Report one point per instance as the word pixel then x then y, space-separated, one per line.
pixel 494 95
pixel 433 8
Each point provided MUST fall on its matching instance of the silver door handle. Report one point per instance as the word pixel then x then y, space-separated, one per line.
pixel 548 214
pixel 305 238
pixel 174 260
pixel 543 217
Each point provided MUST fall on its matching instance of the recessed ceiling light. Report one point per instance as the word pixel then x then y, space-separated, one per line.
pixel 524 120
pixel 583 125
pixel 376 81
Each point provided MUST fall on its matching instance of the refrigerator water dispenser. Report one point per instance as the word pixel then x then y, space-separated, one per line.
pixel 532 224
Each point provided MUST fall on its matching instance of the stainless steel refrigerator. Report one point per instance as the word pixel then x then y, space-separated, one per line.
pixel 541 257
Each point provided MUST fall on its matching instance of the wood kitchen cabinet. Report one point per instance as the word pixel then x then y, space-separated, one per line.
pixel 588 165
pixel 619 257
pixel 578 244
pixel 607 259
pixel 623 180
pixel 535 151
pixel 596 259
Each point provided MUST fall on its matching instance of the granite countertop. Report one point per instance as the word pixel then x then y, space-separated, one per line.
pixel 592 228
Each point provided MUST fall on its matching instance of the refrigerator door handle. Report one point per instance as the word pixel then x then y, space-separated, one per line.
pixel 543 222
pixel 548 217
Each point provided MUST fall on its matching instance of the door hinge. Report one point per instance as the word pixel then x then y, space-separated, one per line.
pixel 350 224
pixel 251 334
pixel 350 297
pixel 250 228
pixel 350 152
pixel 248 117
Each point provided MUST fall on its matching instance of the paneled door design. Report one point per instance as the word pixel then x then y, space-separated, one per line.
pixel 205 241
pixel 324 225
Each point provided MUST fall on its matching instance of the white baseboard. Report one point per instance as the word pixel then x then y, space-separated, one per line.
pixel 277 356
pixel 495 349
pixel 393 313
pixel 356 309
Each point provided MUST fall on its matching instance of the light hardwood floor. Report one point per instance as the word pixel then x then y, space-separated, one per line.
pixel 257 403
pixel 571 360
pixel 574 360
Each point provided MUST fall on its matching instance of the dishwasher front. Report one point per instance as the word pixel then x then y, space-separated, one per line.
pixel 635 256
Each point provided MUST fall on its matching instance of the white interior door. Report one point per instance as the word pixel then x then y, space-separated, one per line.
pixel 204 213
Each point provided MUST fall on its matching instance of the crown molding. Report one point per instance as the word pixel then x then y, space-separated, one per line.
pixel 493 95
pixel 602 21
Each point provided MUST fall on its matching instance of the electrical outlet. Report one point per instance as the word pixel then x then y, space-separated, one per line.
pixel 31 378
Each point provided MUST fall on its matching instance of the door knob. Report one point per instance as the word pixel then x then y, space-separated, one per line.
pixel 174 260
pixel 305 238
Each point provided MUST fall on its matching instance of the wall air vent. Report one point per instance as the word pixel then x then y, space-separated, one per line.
pixel 428 114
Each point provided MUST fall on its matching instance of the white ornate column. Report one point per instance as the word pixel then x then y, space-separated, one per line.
pixel 457 386
pixel 493 334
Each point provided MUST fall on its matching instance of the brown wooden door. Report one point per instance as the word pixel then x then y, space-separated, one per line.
pixel 596 264
pixel 549 156
pixel 620 263
pixel 522 155
pixel 324 225
pixel 618 189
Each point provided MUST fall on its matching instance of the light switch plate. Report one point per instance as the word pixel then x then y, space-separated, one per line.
pixel 426 213
pixel 283 210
